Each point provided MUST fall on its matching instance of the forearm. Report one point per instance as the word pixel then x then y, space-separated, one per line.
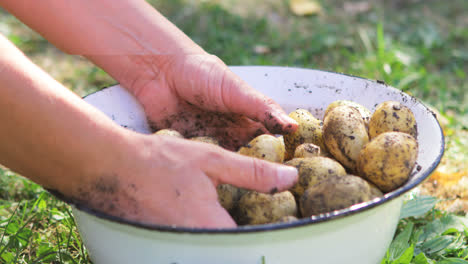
pixel 48 133
pixel 115 35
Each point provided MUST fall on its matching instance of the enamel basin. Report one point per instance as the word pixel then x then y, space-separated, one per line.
pixel 359 234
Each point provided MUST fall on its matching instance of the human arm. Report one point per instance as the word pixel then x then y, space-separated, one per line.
pixel 170 75
pixel 56 139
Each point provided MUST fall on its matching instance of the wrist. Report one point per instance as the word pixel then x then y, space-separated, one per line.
pixel 96 167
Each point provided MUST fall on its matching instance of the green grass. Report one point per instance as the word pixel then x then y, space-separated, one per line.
pixel 34 226
pixel 426 235
pixel 417 46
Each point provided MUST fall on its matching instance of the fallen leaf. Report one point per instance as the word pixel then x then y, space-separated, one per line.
pixel 261 49
pixel 355 8
pixel 447 179
pixel 305 7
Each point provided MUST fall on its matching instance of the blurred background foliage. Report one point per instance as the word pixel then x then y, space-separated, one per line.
pixel 417 46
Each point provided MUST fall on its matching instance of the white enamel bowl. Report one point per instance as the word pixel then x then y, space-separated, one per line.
pixel 360 234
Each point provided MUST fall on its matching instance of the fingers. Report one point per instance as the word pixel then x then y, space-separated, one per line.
pixel 228 167
pixel 239 97
pixel 209 84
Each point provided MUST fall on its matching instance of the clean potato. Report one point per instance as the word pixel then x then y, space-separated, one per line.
pixel 365 113
pixel 309 131
pixel 392 116
pixel 387 161
pixel 169 132
pixel 334 193
pixel 345 134
pixel 265 147
pixel 260 208
pixel 307 150
pixel 312 171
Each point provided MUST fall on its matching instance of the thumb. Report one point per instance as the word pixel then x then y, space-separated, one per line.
pixel 212 81
pixel 228 167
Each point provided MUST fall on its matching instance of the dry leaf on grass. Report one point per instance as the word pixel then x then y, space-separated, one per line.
pixel 355 8
pixel 305 7
pixel 261 49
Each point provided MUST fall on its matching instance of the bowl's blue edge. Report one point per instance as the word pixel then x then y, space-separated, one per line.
pixel 269 227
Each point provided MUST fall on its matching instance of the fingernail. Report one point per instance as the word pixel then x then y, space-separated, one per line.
pixel 287 175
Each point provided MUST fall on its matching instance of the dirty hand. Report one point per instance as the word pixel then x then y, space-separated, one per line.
pixel 198 95
pixel 172 181
pixel 85 156
pixel 146 178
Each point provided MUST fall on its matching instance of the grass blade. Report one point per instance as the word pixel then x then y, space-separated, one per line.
pixel 6 227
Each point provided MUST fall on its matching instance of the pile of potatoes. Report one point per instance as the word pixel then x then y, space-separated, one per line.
pixel 349 157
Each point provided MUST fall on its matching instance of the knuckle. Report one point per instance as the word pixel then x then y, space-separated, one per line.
pixel 259 170
pixel 212 156
pixel 268 101
pixel 214 59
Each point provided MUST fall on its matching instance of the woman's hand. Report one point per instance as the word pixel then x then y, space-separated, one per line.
pixel 171 181
pixel 198 95
pixel 64 144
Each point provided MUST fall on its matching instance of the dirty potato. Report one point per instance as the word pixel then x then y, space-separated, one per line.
pixel 307 150
pixel 387 161
pixel 259 208
pixel 375 191
pixel 308 131
pixel 345 134
pixel 169 132
pixel 229 195
pixel 365 113
pixel 206 139
pixel 287 219
pixel 265 147
pixel 312 171
pixel 334 193
pixel 392 116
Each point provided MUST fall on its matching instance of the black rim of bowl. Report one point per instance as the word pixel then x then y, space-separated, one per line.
pixel 276 226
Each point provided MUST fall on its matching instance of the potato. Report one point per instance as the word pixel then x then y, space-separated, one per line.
pixel 265 147
pixel 287 219
pixel 345 135
pixel 309 131
pixel 334 193
pixel 392 116
pixel 259 208
pixel 281 139
pixel 365 113
pixel 387 161
pixel 206 139
pixel 307 150
pixel 313 170
pixel 375 191
pixel 229 195
pixel 169 132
